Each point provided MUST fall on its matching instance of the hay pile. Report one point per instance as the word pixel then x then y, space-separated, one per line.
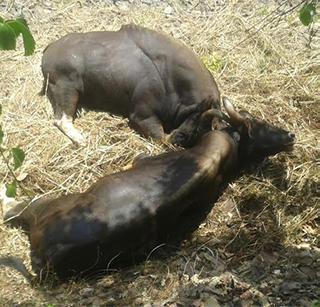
pixel 264 227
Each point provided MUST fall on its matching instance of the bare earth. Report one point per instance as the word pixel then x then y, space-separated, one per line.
pixel 260 246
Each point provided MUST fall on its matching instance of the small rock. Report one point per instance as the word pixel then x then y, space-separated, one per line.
pixel 85 292
pixel 195 279
pixel 264 286
pixel 236 301
pixel 264 301
pixel 168 10
pixel 316 249
pixel 122 6
pixel 185 278
pixel 247 295
pixel 106 282
pixel 305 302
pixel 196 303
pixel 97 302
pixel 86 301
pixel 123 294
pixel 22 176
pixel 214 281
pixel 303 245
pixel 103 295
pixel 211 302
pixel 286 287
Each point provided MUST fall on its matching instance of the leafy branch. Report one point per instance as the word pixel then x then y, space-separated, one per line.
pixel 307 15
pixel 308 12
pixel 17 157
pixel 10 30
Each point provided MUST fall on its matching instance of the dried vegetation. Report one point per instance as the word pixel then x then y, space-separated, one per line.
pixel 260 244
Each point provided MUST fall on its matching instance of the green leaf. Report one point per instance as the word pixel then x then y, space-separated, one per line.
pixel 306 14
pixel 316 304
pixel 20 27
pixel 7 37
pixel 213 62
pixel 1 20
pixel 11 189
pixel 1 135
pixel 22 20
pixel 18 157
pixel 0 109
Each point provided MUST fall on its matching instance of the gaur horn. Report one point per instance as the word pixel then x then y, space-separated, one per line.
pixel 235 117
pixel 210 114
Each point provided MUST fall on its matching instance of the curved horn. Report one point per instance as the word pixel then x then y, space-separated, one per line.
pixel 235 117
pixel 209 114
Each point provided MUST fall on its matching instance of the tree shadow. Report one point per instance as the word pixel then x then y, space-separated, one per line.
pixel 287 277
pixel 247 259
pixel 259 265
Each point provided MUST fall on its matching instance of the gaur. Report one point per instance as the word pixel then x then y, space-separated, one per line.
pixel 155 81
pixel 160 199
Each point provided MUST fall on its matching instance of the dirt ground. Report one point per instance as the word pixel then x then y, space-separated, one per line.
pixel 260 244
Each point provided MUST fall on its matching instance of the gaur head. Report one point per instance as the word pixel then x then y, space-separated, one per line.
pixel 197 123
pixel 258 139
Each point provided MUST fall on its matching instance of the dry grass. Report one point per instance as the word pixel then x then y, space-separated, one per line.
pixel 273 75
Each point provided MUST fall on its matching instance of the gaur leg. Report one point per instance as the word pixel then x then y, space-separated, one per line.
pixel 145 100
pixel 148 127
pixel 64 99
pixel 192 126
pixel 185 135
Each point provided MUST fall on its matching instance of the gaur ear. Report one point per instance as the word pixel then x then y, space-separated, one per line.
pixel 205 104
pixel 245 114
pixel 218 124
pixel 210 114
pixel 248 125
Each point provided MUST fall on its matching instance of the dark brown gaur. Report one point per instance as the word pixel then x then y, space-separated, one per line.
pixel 160 199
pixel 146 76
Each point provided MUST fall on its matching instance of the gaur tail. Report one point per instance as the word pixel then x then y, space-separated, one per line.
pixel 18 265
pixel 44 86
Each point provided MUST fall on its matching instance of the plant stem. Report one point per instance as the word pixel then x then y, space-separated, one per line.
pixel 14 176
